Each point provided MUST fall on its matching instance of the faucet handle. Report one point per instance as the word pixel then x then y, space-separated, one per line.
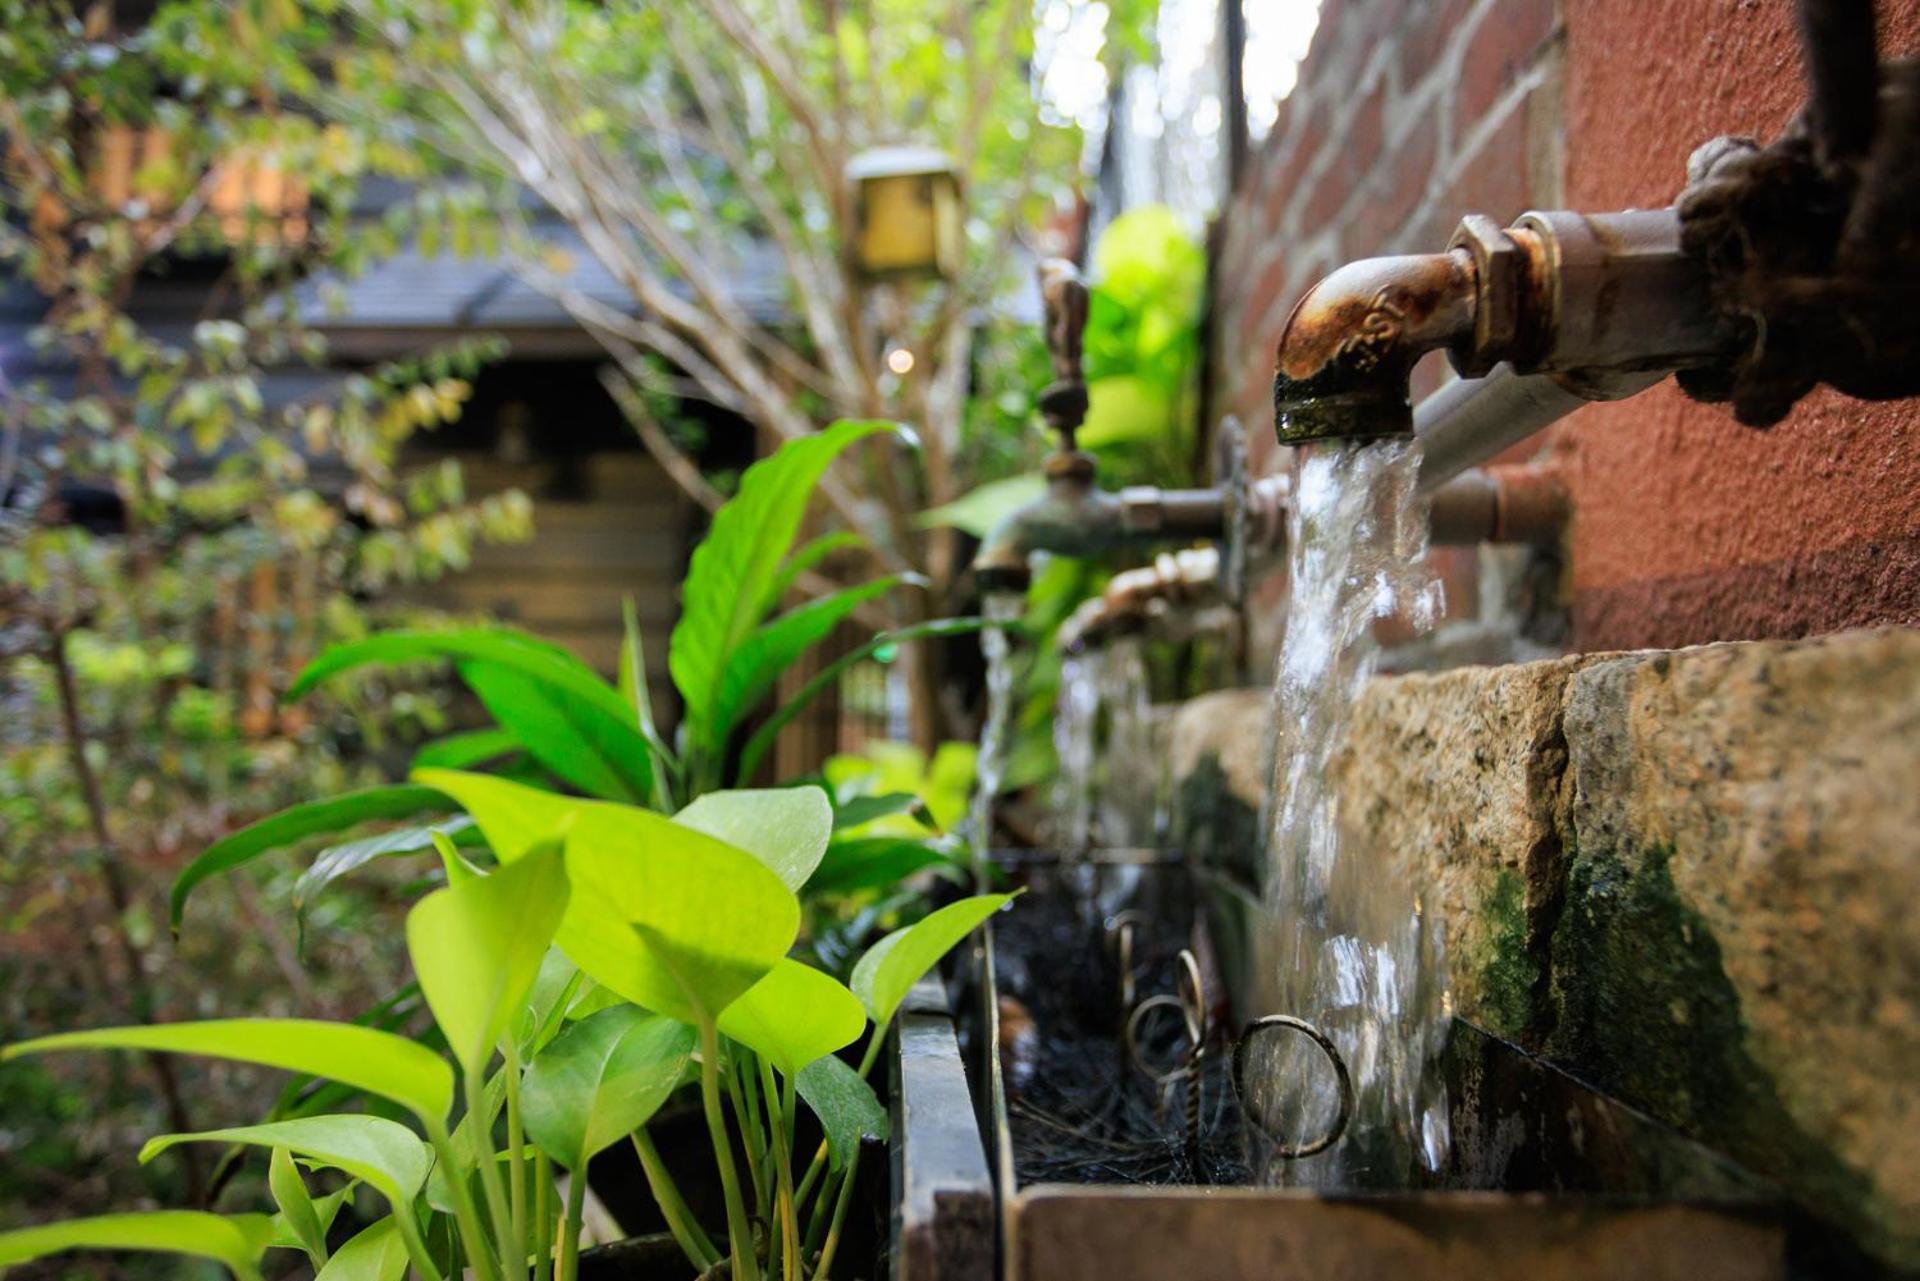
pixel 1063 292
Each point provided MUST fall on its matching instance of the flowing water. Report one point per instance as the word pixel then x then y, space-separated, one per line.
pixel 990 768
pixel 1346 945
pixel 1076 744
pixel 1129 815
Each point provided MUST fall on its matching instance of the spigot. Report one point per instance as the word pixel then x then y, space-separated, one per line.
pixel 1594 300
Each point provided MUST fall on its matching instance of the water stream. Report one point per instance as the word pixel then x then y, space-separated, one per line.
pixel 1076 745
pixel 1346 944
pixel 990 767
pixel 1128 808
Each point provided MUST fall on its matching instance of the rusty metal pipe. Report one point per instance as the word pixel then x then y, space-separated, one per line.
pixel 1352 341
pixel 1594 300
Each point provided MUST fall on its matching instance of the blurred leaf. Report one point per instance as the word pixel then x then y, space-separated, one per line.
pixel 333 814
pixel 377 1062
pixel 235 1240
pixel 872 862
pixel 978 511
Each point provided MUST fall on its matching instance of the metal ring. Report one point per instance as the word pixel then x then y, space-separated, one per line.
pixel 1140 1011
pixel 1283 1150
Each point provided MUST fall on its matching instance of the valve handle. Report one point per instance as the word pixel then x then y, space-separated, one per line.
pixel 1063 293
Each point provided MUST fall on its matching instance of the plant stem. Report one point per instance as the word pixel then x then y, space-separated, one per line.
pixel 686 1230
pixel 782 1156
pixel 496 1192
pixel 542 1216
pixel 570 1230
pixel 416 1248
pixel 747 1118
pixel 471 1230
pixel 739 1235
pixel 821 1270
pixel 516 1153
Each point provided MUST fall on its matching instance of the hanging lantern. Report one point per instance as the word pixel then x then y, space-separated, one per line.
pixel 907 217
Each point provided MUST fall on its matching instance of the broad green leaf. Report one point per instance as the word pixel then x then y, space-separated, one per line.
pixel 376 1253
pixel 234 1240
pixel 828 676
pixel 753 668
pixel 1123 409
pixel 377 1062
pixel 716 918
pixel 846 1105
pixel 979 510
pixel 334 814
pixel 602 1079
pixel 865 863
pixel 794 1015
pixel 477 947
pixel 573 739
pixel 567 718
pixel 787 828
pixel 383 1154
pixel 296 1204
pixel 732 571
pixel 466 750
pixel 894 964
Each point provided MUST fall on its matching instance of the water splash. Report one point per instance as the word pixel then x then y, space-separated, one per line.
pixel 1347 945
pixel 1075 744
pixel 990 768
pixel 1128 801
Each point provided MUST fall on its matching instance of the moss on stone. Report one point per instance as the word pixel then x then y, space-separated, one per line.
pixel 1215 826
pixel 1644 1011
pixel 1509 973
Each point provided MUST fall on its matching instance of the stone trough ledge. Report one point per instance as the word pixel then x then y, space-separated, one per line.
pixel 1689 877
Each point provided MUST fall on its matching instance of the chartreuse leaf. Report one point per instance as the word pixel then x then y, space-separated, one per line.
pixel 234 1240
pixel 383 1154
pixel 326 1209
pixel 883 976
pixel 846 1105
pixel 809 556
pixel 602 1079
pixel 559 980
pixel 376 1253
pixel 664 915
pixel 377 1062
pixel 793 1016
pixel 334 814
pixel 728 588
pixel 787 828
pixel 296 1205
pixel 567 718
pixel 477 947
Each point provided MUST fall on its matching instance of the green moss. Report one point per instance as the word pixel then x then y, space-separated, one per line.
pixel 1509 972
pixel 1645 1012
pixel 1215 827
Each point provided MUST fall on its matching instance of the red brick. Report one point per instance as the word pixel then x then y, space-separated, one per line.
pixel 1494 181
pixel 1499 49
pixel 1291 160
pixel 1399 184
pixel 1354 153
pixel 1424 35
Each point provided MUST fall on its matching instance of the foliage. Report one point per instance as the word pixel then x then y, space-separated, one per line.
pixel 187 507
pixel 496 953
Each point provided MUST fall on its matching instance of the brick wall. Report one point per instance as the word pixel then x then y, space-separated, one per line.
pixel 1411 113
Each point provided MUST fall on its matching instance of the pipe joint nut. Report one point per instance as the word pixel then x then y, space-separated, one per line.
pixel 1502 277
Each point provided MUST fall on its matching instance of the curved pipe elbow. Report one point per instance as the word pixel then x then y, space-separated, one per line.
pixel 1351 342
